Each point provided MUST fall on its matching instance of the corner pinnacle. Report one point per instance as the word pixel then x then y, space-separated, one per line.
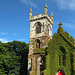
pixel 31 9
pixel 51 13
pixel 46 5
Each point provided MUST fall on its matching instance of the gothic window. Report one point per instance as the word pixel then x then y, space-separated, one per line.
pixel 62 57
pixel 38 27
pixel 38 44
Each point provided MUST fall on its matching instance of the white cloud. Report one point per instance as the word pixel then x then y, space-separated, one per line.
pixel 66 4
pixel 25 1
pixel 3 40
pixel 69 26
pixel 29 2
pixel 3 33
pixel 72 5
pixel 65 25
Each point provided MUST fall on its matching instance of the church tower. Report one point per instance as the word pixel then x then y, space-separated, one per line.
pixel 40 34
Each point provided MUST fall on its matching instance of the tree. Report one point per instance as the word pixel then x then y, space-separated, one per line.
pixel 13 58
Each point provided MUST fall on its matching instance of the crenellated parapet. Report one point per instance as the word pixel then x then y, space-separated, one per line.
pixel 42 16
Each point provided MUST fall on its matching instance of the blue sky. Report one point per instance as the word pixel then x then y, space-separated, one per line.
pixel 14 17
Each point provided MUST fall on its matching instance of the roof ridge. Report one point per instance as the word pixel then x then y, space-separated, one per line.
pixel 67 40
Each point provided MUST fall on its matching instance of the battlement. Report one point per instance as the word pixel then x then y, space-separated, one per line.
pixel 41 16
pixel 36 16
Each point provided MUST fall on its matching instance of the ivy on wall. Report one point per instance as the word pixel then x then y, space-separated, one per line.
pixel 41 51
pixel 60 54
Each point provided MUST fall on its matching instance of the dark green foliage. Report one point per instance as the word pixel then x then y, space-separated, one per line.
pixel 13 58
pixel 60 30
pixel 71 39
pixel 66 34
pixel 60 54
pixel 41 51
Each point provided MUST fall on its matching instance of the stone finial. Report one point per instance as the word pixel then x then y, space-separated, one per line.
pixel 60 24
pixel 31 10
pixel 30 14
pixel 51 14
pixel 45 9
pixel 46 5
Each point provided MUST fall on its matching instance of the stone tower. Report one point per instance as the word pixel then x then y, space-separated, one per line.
pixel 40 34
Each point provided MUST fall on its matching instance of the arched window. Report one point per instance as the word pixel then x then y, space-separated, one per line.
pixel 37 43
pixel 62 56
pixel 38 27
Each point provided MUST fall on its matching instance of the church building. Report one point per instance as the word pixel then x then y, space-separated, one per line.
pixel 49 55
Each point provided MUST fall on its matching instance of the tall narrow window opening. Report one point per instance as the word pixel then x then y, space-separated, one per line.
pixel 62 57
pixel 38 27
pixel 38 44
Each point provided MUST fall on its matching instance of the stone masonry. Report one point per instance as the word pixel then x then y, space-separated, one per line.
pixel 40 34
